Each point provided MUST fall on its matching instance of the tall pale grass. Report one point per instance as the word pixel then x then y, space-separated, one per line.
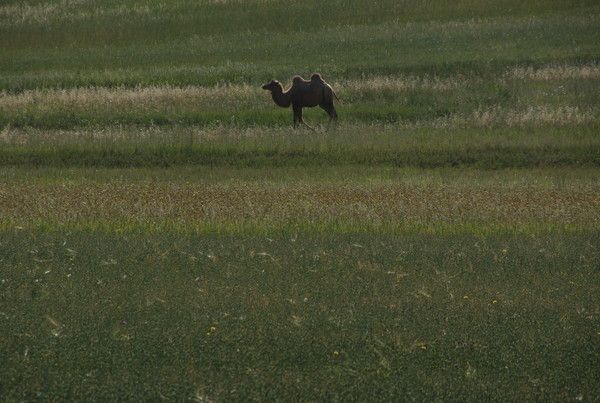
pixel 516 117
pixel 555 72
pixel 140 98
pixel 401 83
pixel 73 10
pixel 247 95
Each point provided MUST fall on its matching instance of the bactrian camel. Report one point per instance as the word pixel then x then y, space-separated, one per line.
pixel 304 93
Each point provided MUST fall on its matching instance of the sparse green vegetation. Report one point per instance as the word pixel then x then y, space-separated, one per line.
pixel 166 234
pixel 326 317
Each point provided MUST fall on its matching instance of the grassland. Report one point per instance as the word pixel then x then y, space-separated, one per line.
pixel 394 201
pixel 346 317
pixel 166 234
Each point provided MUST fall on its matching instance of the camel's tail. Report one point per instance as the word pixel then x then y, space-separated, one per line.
pixel 335 95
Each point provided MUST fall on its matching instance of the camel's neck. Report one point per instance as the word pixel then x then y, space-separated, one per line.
pixel 281 98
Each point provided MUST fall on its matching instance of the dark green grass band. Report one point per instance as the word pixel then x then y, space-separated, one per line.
pixel 493 157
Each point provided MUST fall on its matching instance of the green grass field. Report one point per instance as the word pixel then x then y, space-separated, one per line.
pixel 166 234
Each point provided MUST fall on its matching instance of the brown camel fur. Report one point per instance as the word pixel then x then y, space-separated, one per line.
pixel 304 93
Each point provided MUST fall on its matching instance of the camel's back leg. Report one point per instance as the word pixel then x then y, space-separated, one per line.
pixel 327 106
pixel 298 116
pixel 332 113
pixel 327 103
pixel 330 109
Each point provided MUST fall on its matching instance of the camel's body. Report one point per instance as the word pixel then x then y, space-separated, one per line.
pixel 303 93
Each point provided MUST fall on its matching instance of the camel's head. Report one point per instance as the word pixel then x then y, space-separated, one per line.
pixel 274 84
